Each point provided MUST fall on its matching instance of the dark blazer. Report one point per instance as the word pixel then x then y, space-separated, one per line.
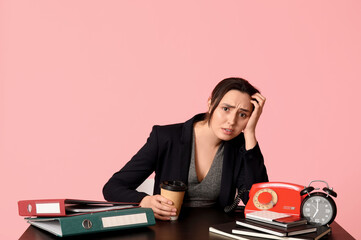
pixel 167 152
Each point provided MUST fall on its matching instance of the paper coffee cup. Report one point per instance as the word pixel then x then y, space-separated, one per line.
pixel 174 191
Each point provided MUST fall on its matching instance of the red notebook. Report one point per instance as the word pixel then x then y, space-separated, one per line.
pixel 65 207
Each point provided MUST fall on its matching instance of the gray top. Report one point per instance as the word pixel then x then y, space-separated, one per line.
pixel 206 192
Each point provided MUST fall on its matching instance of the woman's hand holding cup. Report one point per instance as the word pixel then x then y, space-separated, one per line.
pixel 162 207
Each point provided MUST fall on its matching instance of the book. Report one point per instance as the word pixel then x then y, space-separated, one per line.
pixel 276 230
pixel 275 218
pixel 225 229
pixel 234 231
pixel 319 233
pixel 95 222
pixel 64 207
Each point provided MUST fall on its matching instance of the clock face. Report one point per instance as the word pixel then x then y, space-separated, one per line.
pixel 319 209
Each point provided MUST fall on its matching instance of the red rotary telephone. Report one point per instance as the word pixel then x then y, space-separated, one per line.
pixel 275 196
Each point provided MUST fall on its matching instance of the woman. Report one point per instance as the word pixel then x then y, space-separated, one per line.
pixel 214 153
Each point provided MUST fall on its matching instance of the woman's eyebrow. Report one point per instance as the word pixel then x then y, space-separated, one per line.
pixel 231 106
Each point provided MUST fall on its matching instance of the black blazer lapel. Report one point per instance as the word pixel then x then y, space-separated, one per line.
pixel 186 148
pixel 227 185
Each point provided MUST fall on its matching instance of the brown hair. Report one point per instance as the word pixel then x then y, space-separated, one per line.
pixel 225 86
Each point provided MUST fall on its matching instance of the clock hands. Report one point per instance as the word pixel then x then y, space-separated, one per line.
pixel 317 200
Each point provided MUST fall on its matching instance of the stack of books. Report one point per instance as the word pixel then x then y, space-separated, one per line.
pixel 270 225
pixel 69 217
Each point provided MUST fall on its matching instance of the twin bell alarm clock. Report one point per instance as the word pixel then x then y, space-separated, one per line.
pixel 318 207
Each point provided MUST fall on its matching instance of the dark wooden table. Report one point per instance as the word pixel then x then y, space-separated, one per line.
pixel 193 223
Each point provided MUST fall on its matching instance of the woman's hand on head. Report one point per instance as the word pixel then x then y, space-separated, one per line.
pixel 249 131
pixel 162 207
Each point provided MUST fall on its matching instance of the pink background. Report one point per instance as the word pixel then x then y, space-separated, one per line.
pixel 83 82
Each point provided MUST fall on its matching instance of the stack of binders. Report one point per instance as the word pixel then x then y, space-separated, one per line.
pixel 69 217
pixel 270 225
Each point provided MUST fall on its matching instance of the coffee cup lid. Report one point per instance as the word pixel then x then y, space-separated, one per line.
pixel 177 186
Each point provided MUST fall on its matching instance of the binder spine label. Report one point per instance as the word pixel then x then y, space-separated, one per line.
pixel 124 220
pixel 47 207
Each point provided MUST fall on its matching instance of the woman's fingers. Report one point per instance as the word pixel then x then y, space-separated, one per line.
pixel 162 207
pixel 161 217
pixel 163 200
pixel 258 102
pixel 258 99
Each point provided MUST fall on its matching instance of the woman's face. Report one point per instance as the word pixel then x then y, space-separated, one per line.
pixel 231 115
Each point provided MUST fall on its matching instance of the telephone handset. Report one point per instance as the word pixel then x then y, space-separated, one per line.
pixel 275 196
